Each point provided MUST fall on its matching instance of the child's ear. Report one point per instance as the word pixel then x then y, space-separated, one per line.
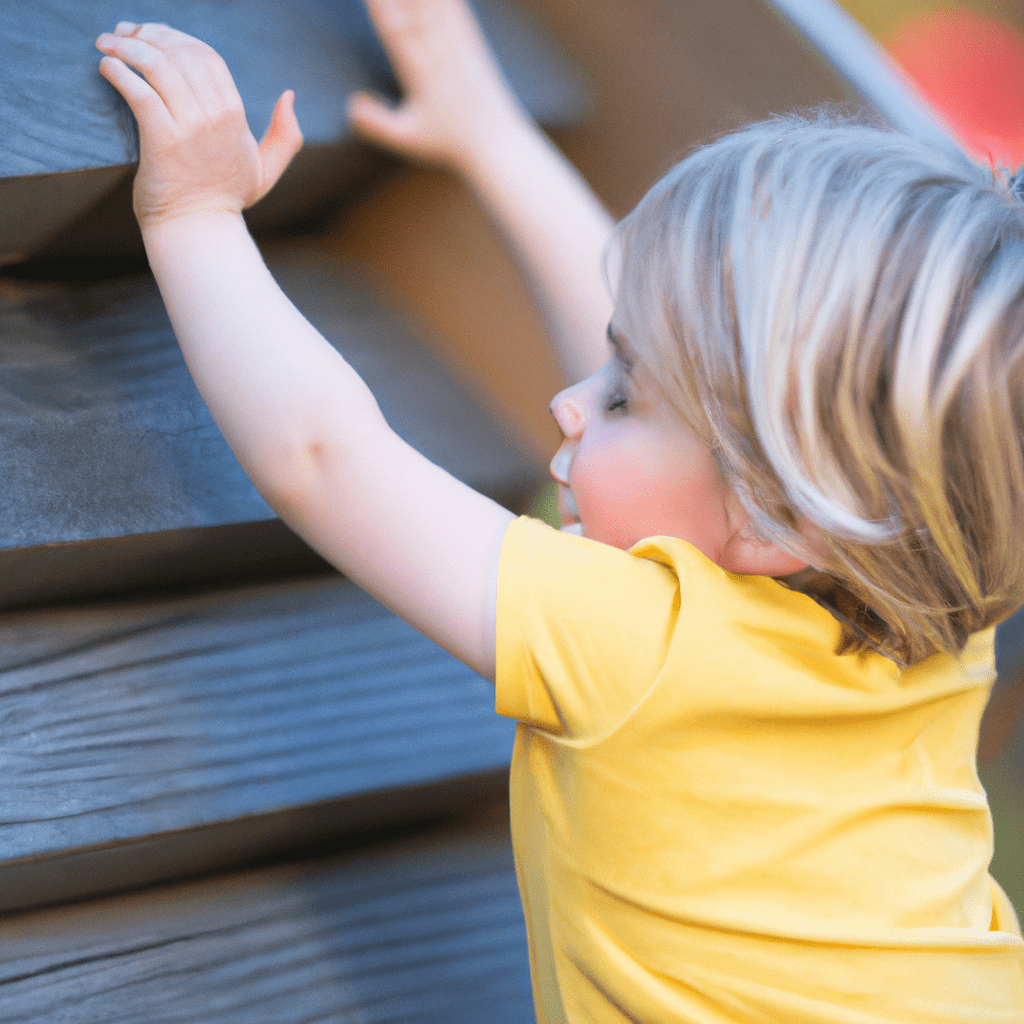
pixel 757 557
pixel 748 553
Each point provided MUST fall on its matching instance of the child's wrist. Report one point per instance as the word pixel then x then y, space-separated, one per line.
pixel 193 234
pixel 189 220
pixel 498 149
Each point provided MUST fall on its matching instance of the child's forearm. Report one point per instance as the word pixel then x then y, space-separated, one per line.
pixel 558 230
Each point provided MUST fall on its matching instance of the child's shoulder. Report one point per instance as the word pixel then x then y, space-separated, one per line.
pixel 662 584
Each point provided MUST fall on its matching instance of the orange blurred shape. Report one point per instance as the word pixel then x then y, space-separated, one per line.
pixel 970 69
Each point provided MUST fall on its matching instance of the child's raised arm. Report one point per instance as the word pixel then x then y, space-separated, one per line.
pixel 300 420
pixel 458 112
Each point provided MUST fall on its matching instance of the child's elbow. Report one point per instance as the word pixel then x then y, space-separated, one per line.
pixel 292 478
pixel 323 462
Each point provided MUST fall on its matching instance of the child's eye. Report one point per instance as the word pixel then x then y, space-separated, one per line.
pixel 616 402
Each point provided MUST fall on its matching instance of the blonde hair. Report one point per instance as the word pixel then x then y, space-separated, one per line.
pixel 839 314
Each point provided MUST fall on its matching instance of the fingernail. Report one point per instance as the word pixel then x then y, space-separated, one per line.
pixel 125 28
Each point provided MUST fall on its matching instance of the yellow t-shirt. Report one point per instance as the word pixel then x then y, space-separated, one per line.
pixel 718 819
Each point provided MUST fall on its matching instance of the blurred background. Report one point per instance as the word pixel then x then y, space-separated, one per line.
pixel 966 60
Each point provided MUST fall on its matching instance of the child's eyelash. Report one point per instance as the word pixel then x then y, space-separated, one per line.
pixel 616 400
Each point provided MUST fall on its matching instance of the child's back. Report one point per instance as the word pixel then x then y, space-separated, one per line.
pixel 719 819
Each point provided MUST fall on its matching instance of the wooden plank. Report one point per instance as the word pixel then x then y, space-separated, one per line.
pixel 58 115
pixel 152 738
pixel 106 437
pixel 55 201
pixel 195 557
pixel 423 928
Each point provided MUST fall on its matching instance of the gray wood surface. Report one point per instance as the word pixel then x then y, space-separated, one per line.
pixel 151 738
pixel 68 138
pixel 106 438
pixel 425 928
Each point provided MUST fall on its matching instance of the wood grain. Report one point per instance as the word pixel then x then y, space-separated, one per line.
pixel 58 114
pixel 145 739
pixel 422 928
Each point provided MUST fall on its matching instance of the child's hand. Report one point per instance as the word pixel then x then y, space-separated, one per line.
pixel 457 111
pixel 456 101
pixel 197 153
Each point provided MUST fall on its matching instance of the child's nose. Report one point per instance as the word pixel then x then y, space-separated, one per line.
pixel 567 408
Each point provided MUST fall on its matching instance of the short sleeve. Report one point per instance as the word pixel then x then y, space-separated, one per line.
pixel 583 629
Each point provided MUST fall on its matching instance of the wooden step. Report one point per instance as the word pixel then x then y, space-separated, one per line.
pixel 423 928
pixel 156 738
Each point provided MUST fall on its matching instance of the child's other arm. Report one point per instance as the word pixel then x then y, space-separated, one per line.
pixel 300 420
pixel 458 112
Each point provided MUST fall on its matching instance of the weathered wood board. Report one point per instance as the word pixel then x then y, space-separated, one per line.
pixel 152 738
pixel 422 929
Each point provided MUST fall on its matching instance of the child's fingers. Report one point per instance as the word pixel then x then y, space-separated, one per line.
pixel 182 70
pixel 162 75
pixel 199 64
pixel 143 100
pixel 281 142
pixel 416 34
pixel 390 18
pixel 403 27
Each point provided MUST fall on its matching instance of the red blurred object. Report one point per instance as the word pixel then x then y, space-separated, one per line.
pixel 970 69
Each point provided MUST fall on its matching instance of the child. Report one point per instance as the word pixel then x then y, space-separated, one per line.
pixel 750 685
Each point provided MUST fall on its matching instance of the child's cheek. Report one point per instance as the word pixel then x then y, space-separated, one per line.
pixel 604 486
